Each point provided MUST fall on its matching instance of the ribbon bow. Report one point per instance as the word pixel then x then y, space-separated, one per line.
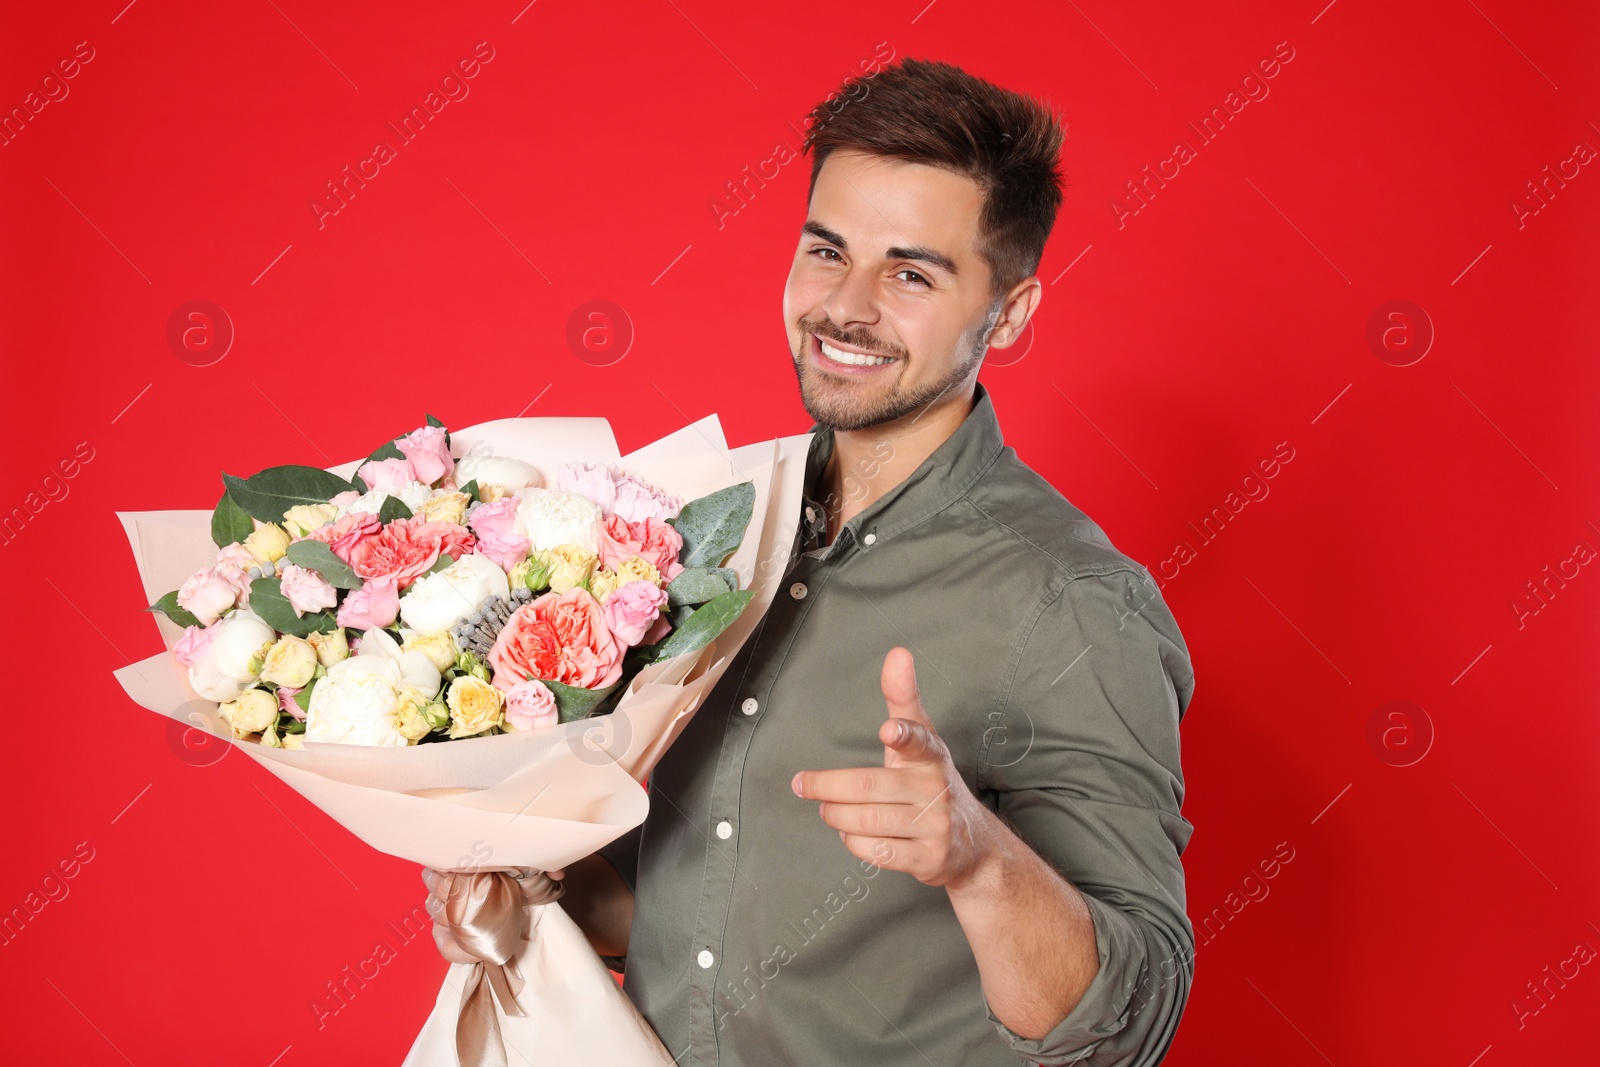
pixel 484 912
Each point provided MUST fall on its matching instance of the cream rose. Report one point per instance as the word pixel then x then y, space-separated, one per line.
pixel 251 712
pixel 440 648
pixel 638 569
pixel 475 706
pixel 603 583
pixel 303 518
pixel 411 715
pixel 290 662
pixel 445 507
pixel 267 542
pixel 435 602
pixel 569 566
pixel 331 647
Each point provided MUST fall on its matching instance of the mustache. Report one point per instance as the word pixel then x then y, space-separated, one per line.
pixel 864 341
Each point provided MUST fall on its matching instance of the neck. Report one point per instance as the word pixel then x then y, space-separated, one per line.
pixel 869 462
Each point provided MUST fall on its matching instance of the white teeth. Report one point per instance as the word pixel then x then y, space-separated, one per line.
pixel 854 359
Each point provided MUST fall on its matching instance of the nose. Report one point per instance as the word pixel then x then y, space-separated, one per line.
pixel 853 300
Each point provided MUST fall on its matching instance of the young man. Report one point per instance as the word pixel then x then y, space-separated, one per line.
pixel 931 813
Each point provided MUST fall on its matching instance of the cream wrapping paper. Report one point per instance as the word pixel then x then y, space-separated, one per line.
pixel 538 800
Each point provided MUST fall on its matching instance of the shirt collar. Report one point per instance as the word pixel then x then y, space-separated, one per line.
pixel 942 478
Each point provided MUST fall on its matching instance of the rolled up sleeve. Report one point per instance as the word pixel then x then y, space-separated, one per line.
pixel 1083 763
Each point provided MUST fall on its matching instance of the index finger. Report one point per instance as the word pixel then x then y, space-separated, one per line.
pixel 857 785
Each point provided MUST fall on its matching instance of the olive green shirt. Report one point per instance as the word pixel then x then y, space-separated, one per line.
pixel 1053 670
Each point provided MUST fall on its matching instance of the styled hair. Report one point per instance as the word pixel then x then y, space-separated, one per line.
pixel 935 113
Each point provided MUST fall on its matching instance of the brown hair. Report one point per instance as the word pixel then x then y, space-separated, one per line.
pixel 934 113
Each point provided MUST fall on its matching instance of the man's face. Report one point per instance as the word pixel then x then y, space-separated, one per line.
pixel 887 274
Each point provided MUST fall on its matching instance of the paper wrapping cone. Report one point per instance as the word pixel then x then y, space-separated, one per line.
pixel 541 799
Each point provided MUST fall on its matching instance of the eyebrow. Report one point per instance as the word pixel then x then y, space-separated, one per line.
pixel 923 255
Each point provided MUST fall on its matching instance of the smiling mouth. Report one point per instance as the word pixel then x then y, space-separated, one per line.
pixel 829 353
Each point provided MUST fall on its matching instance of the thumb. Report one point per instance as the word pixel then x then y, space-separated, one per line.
pixel 899 682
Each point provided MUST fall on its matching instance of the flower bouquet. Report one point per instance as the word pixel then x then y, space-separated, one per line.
pixel 470 649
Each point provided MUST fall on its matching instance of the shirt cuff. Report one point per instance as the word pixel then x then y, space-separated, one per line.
pixel 1103 1010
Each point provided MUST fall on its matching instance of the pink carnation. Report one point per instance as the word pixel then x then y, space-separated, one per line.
pixel 343 535
pixel 658 542
pixel 306 590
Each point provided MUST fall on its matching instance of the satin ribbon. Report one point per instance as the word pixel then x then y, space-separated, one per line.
pixel 485 912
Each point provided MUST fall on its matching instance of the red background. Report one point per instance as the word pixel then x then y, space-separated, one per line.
pixel 1177 351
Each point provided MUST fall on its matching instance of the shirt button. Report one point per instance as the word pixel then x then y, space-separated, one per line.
pixel 871 538
pixel 811 514
pixel 724 829
pixel 705 959
pixel 798 590
pixel 749 706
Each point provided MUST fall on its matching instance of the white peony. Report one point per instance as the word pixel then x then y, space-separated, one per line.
pixel 239 643
pixel 551 517
pixel 503 471
pixel 416 668
pixel 437 601
pixel 356 703
pixel 212 684
pixel 371 502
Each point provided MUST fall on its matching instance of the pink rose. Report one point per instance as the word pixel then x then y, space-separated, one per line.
pixel 390 475
pixel 406 549
pixel 427 453
pixel 206 594
pixel 286 702
pixel 306 590
pixel 349 496
pixel 343 535
pixel 560 637
pixel 593 480
pixel 658 542
pixel 658 630
pixel 375 605
pixel 530 705
pixel 631 608
pixel 638 500
pixel 495 526
pixel 233 565
pixel 193 646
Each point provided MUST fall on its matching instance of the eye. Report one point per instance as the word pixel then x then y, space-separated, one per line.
pixel 918 279
pixel 824 251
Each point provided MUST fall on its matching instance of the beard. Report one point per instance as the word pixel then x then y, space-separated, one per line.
pixel 842 406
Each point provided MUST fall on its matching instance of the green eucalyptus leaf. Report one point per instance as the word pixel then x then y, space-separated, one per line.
pixel 703 626
pixel 230 522
pixel 303 700
pixel 267 601
pixel 696 585
pixel 267 495
pixel 573 703
pixel 168 606
pixel 393 508
pixel 317 556
pixel 713 525
pixel 471 489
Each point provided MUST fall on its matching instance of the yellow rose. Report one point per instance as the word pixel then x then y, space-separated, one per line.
pixel 295 741
pixel 268 542
pixel 290 662
pixel 569 566
pixel 475 706
pixel 440 648
pixel 411 714
pixel 331 647
pixel 445 507
pixel 603 583
pixel 253 711
pixel 638 569
pixel 303 518
pixel 490 493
